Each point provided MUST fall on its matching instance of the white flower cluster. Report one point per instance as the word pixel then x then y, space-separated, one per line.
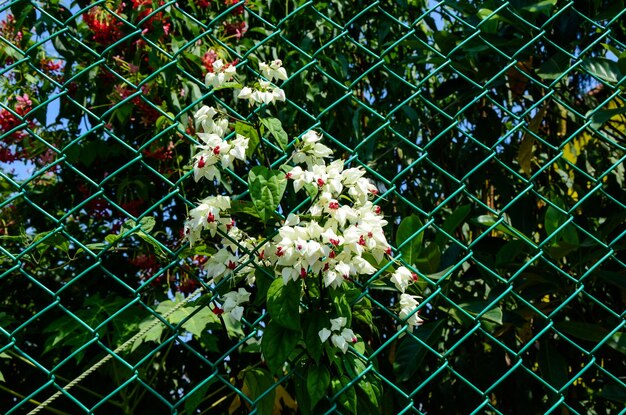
pixel 408 306
pixel 215 148
pixel 266 93
pixel 220 75
pixel 338 238
pixel 339 335
pixel 232 304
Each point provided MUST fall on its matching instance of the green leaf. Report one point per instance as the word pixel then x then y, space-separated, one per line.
pixel 317 383
pixel 618 342
pixel 369 395
pixel 195 399
pixel 430 260
pixel 275 128
pixel 604 69
pixel 553 365
pixel 347 399
pixel 599 118
pixel 248 130
pixel 277 344
pixel 342 305
pixel 544 6
pixel 410 234
pixel 312 323
pixel 266 189
pixel 488 221
pixel 263 278
pixel 243 206
pixel 476 307
pixel 257 381
pixel 411 352
pixel 453 221
pixel 585 331
pixel 283 303
pixel 615 392
pixel 526 150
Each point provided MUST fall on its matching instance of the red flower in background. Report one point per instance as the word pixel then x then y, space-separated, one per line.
pixel 104 25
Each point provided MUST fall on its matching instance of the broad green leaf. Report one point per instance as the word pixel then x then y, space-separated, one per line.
pixel 369 396
pixel 410 234
pixel 604 69
pixel 347 399
pixel 429 261
pixel 618 342
pixel 585 331
pixel 317 383
pixel 553 365
pixel 411 352
pixel 263 278
pixel 544 6
pixel 152 335
pixel 195 399
pixel 248 130
pixel 277 344
pixel 256 381
pixel 243 206
pixel 275 128
pixel 600 117
pixel 266 189
pixel 283 303
pixel 475 307
pixel 453 221
pixel 312 323
pixel 342 305
pixel 615 392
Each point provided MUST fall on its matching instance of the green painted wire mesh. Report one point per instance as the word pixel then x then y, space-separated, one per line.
pixel 500 125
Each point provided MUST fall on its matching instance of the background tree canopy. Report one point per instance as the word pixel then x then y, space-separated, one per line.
pixel 495 130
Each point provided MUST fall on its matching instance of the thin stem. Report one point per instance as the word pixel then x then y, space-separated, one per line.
pixel 34 402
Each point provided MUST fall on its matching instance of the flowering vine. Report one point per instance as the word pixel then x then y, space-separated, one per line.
pixel 301 263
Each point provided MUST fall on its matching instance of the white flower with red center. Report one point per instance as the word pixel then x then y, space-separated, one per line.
pixel 220 264
pixel 402 278
pixel 232 303
pixel 220 75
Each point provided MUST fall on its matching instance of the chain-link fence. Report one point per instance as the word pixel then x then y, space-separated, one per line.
pixel 494 131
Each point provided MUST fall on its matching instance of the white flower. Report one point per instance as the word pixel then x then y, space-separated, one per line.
pixel 274 70
pixel 232 303
pixel 245 93
pixel 204 119
pixel 408 305
pixel 220 74
pixel 338 323
pixel 324 334
pixel 310 151
pixel 339 335
pixel 402 277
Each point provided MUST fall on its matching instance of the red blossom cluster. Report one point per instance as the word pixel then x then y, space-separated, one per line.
pixel 106 28
pixel 237 10
pixel 98 208
pixel 9 120
pixel 148 114
pixel 161 153
pixel 145 10
pixel 237 29
pixel 51 67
